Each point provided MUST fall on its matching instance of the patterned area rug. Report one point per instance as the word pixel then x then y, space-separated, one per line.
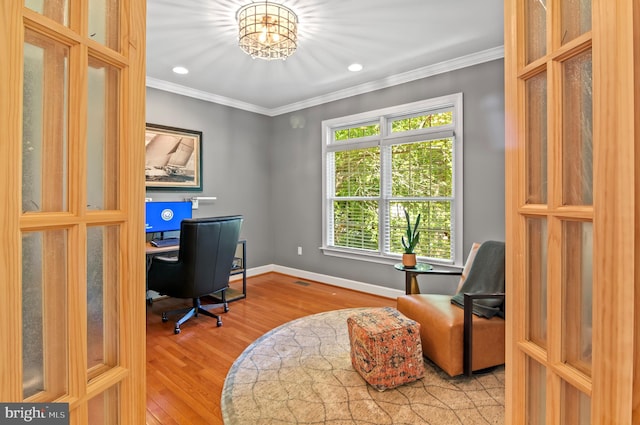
pixel 301 373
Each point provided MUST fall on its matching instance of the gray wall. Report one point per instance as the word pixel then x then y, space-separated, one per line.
pixel 235 164
pixel 270 171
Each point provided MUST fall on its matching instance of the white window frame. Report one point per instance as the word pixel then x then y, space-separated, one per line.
pixel 386 138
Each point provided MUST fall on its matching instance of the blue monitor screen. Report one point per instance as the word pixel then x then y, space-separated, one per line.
pixel 166 216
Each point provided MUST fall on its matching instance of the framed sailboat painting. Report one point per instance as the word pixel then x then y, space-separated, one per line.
pixel 173 159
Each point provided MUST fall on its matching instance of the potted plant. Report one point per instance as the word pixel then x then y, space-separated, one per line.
pixel 409 241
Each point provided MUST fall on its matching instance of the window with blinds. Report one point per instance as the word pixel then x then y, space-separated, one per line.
pixel 378 164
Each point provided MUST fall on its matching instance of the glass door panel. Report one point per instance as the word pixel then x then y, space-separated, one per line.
pixel 536 141
pixel 577 294
pixel 104 26
pixel 46 78
pixel 576 19
pixel 577 131
pixel 102 297
pixel 102 136
pixel 44 314
pixel 576 406
pixel 58 10
pixel 104 409
pixel 536 29
pixel 536 378
pixel 537 280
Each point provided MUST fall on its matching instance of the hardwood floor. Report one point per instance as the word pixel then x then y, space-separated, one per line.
pixel 186 372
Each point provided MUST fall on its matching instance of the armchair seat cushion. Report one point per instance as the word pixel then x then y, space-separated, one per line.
pixel 442 328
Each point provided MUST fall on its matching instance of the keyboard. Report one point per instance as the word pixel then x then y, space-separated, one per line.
pixel 159 243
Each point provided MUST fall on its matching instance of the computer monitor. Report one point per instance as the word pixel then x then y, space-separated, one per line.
pixel 165 216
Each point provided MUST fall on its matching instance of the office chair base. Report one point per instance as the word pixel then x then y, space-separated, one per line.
pixel 193 311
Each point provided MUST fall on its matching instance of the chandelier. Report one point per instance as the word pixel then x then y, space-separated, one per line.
pixel 267 30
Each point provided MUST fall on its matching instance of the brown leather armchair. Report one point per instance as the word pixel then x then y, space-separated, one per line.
pixel 466 332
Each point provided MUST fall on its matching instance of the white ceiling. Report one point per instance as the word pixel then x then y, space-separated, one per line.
pixel 395 40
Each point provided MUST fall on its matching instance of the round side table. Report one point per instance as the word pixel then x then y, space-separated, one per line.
pixel 411 275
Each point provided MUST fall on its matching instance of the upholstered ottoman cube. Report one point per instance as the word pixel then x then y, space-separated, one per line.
pixel 385 347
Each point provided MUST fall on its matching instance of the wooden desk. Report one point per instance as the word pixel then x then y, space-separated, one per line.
pixel 411 275
pixel 153 251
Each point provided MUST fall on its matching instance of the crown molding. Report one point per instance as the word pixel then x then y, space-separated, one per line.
pixel 394 80
pixel 203 95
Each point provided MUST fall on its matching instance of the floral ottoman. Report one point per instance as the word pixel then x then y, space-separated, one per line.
pixel 385 347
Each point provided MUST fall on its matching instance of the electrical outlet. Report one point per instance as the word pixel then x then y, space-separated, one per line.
pixel 299 250
pixel 194 204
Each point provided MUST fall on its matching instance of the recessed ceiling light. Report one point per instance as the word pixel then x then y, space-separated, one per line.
pixel 180 70
pixel 355 67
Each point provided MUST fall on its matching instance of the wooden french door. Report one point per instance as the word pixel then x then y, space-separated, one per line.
pixel 572 71
pixel 71 167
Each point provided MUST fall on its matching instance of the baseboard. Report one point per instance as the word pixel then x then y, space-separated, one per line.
pixel 326 279
pixel 255 271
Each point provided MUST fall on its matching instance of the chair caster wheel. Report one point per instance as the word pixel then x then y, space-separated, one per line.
pixel 164 318
pixel 226 308
pixel 219 323
pixel 176 331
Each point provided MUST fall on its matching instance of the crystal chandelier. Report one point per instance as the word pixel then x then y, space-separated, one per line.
pixel 267 30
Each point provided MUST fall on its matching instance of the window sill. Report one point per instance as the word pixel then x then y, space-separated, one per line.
pixel 375 257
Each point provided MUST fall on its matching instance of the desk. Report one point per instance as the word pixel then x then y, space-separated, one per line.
pixel 411 275
pixel 239 268
pixel 154 251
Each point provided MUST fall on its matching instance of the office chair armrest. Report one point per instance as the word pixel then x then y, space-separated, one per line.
pixel 166 260
pixel 163 273
pixel 467 362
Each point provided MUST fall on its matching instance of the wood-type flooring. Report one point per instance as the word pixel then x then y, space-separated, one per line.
pixel 186 372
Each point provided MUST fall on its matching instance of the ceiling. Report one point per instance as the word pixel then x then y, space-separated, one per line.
pixel 395 40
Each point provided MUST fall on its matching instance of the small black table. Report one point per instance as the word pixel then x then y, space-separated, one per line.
pixel 411 275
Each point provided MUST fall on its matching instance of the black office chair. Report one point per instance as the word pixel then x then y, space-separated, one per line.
pixel 205 258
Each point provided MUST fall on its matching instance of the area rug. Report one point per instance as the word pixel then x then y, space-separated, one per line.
pixel 301 373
